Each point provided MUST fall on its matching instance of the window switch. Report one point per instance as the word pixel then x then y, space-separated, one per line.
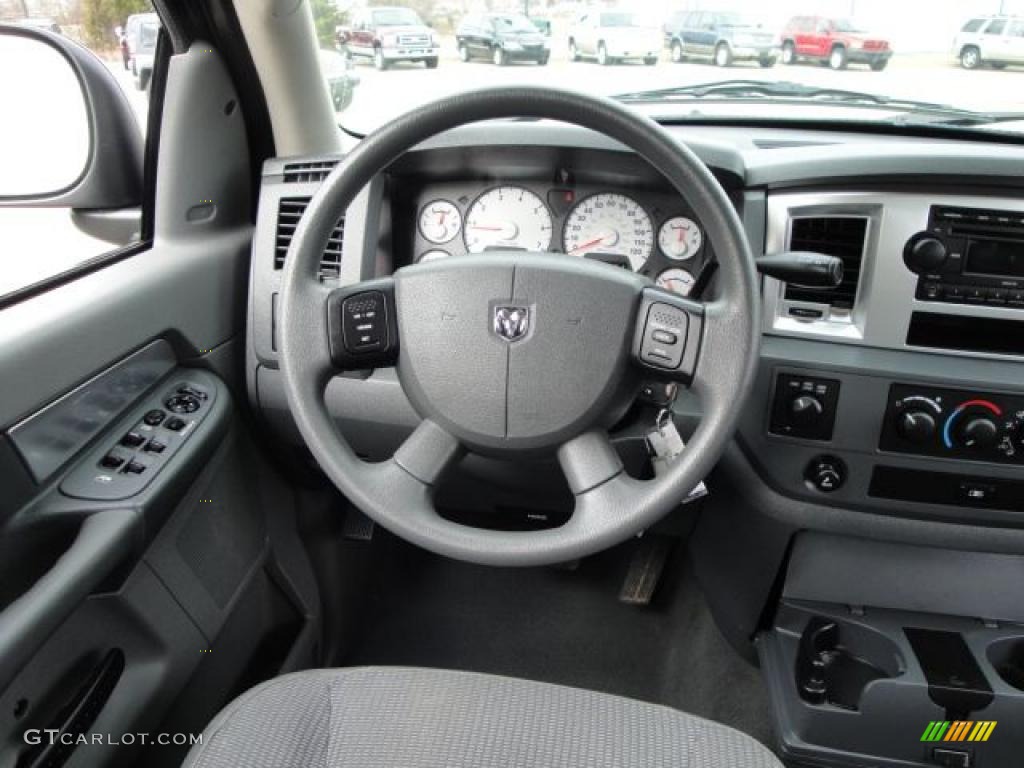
pixel 112 461
pixel 133 440
pixel 135 467
pixel 155 446
pixel 175 424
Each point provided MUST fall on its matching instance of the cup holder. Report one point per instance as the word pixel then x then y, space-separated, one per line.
pixel 836 661
pixel 1007 658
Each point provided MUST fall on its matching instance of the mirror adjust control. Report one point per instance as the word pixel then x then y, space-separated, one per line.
pixel 175 424
pixel 133 440
pixel 154 417
pixel 364 322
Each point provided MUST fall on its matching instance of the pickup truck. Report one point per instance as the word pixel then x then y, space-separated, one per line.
pixel 386 35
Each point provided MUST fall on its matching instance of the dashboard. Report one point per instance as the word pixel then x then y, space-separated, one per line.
pixel 894 402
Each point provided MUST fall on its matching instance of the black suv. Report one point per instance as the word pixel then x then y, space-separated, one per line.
pixel 502 38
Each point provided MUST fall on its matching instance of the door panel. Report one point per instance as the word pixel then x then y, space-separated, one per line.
pixel 145 612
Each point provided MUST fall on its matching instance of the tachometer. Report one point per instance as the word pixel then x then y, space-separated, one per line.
pixel 610 223
pixel 680 238
pixel 508 217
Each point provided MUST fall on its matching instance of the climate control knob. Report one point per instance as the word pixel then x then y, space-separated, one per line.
pixel 915 426
pixel 924 253
pixel 979 434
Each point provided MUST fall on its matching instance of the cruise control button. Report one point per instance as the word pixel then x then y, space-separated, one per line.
pixel 364 322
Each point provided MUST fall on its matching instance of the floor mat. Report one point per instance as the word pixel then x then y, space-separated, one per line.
pixel 559 626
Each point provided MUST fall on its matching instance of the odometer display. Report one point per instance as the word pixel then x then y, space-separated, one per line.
pixel 610 223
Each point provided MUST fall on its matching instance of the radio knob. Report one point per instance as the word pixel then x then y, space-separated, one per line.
pixel 915 426
pixel 924 253
pixel 979 434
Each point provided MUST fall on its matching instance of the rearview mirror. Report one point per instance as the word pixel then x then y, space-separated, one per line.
pixel 57 99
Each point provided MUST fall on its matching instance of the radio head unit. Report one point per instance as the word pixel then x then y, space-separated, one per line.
pixel 969 256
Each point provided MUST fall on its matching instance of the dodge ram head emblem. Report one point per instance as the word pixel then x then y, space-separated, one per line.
pixel 511 323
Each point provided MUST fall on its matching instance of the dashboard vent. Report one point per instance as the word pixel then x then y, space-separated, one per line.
pixel 841 236
pixel 316 170
pixel 289 211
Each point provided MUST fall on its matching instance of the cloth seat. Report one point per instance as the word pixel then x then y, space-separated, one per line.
pixel 395 717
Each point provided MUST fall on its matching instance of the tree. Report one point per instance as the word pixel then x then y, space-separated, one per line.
pixel 326 18
pixel 99 17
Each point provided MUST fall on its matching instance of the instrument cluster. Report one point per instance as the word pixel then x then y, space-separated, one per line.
pixel 651 233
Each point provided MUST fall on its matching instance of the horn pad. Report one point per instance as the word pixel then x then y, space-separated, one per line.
pixel 516 351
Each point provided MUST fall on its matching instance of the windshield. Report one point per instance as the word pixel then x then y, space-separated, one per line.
pixel 875 61
pixel 396 17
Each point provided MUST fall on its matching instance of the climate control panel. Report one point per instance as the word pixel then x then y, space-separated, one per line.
pixel 955 424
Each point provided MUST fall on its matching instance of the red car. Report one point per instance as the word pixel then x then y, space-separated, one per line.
pixel 835 41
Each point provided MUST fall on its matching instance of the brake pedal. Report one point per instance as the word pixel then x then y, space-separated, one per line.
pixel 646 566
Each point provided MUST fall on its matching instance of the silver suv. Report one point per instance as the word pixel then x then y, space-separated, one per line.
pixel 993 40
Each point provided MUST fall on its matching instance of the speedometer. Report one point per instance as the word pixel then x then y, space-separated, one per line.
pixel 508 217
pixel 610 223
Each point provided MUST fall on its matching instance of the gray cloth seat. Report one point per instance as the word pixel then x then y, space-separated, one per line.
pixel 393 717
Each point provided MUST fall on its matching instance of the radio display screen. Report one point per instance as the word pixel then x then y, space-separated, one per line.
pixel 995 257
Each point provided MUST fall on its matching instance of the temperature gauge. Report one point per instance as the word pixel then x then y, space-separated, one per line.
pixel 680 238
pixel 440 221
pixel 676 280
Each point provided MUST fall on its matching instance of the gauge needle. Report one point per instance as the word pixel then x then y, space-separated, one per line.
pixel 588 244
pixel 486 229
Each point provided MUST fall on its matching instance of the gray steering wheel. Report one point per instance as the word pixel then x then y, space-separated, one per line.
pixel 512 354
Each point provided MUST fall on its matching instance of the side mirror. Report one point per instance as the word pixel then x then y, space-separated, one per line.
pixel 69 138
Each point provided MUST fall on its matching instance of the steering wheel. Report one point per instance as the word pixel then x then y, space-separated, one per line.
pixel 514 354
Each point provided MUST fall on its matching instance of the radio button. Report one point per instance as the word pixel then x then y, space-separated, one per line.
pixel 954 293
pixel 932 292
pixel 1015 298
pixel 976 295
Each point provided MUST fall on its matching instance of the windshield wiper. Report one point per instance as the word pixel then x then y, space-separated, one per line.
pixel 758 90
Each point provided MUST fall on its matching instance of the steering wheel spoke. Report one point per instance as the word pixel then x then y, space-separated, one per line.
pixel 588 461
pixel 428 452
pixel 668 335
pixel 362 325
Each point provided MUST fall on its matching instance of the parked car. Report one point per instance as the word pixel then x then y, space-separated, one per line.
pixel 341 80
pixel 611 35
pixel 544 25
pixel 141 31
pixel 993 40
pixel 502 38
pixel 838 42
pixel 386 34
pixel 721 37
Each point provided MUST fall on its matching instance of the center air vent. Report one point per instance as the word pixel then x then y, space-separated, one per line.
pixel 289 211
pixel 315 170
pixel 841 236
